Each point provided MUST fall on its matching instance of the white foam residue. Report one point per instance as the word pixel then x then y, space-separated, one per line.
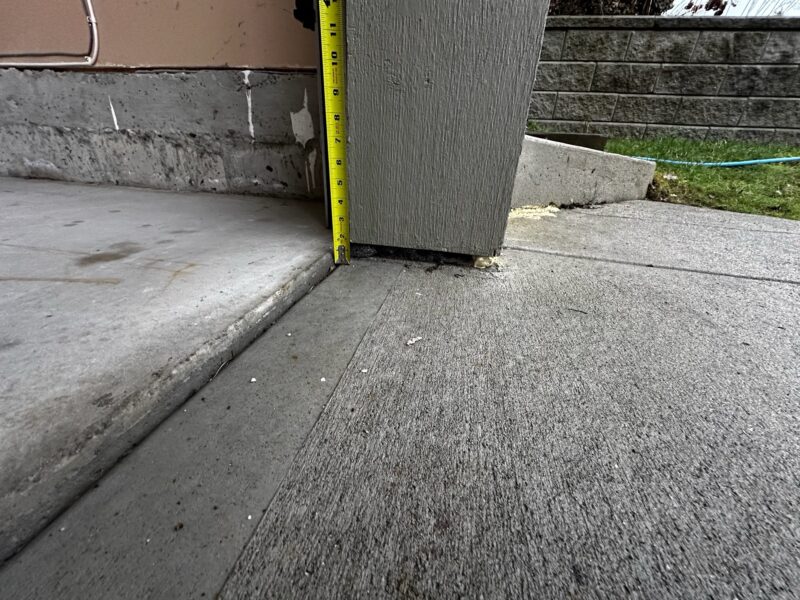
pixel 533 212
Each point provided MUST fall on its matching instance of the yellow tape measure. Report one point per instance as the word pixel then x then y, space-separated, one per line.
pixel 332 42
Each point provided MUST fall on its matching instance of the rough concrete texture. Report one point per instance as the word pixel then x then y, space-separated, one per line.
pixel 564 175
pixel 562 427
pixel 223 131
pixel 170 519
pixel 707 78
pixel 418 177
pixel 117 304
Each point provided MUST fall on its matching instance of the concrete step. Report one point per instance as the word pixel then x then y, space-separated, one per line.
pixel 118 303
pixel 564 175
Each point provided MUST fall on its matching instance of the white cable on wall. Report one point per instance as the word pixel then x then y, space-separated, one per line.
pixel 88 60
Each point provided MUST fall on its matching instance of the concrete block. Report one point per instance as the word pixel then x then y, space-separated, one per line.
pixel 564 175
pixel 584 107
pixel 699 80
pixel 646 109
pixel 200 102
pixel 625 78
pixel 225 131
pixel 743 134
pixel 771 112
pixel 552 43
pixel 661 46
pixel 542 105
pixel 556 76
pixel 676 131
pixel 61 99
pixel 782 47
pixel 700 110
pixel 790 137
pixel 761 80
pixel 168 162
pixel 675 23
pixel 729 47
pixel 561 126
pixel 617 130
pixel 602 45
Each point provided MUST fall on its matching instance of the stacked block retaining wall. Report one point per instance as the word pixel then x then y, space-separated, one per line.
pixel 700 78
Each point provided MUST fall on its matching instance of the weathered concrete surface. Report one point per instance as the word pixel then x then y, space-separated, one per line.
pixel 564 175
pixel 437 94
pixel 712 78
pixel 660 235
pixel 117 304
pixel 223 131
pixel 561 427
pixel 212 466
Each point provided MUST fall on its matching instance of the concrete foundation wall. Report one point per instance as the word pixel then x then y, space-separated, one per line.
pixel 701 78
pixel 209 130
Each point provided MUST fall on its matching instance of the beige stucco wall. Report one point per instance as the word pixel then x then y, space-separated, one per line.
pixel 164 33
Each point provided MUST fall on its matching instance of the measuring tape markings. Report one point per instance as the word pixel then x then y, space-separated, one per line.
pixel 332 42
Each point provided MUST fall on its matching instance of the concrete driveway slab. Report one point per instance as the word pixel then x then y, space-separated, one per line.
pixel 116 304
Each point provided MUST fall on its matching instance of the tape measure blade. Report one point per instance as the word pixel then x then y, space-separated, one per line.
pixel 332 50
pixel 323 123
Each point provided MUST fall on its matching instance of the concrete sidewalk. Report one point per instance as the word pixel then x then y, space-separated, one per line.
pixel 612 412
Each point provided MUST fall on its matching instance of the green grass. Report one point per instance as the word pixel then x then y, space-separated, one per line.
pixel 772 190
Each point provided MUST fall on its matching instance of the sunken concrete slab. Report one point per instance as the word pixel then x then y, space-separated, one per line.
pixel 562 427
pixel 564 175
pixel 117 303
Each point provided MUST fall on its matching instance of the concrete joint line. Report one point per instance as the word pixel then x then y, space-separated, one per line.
pixel 771 231
pixel 364 335
pixel 650 265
